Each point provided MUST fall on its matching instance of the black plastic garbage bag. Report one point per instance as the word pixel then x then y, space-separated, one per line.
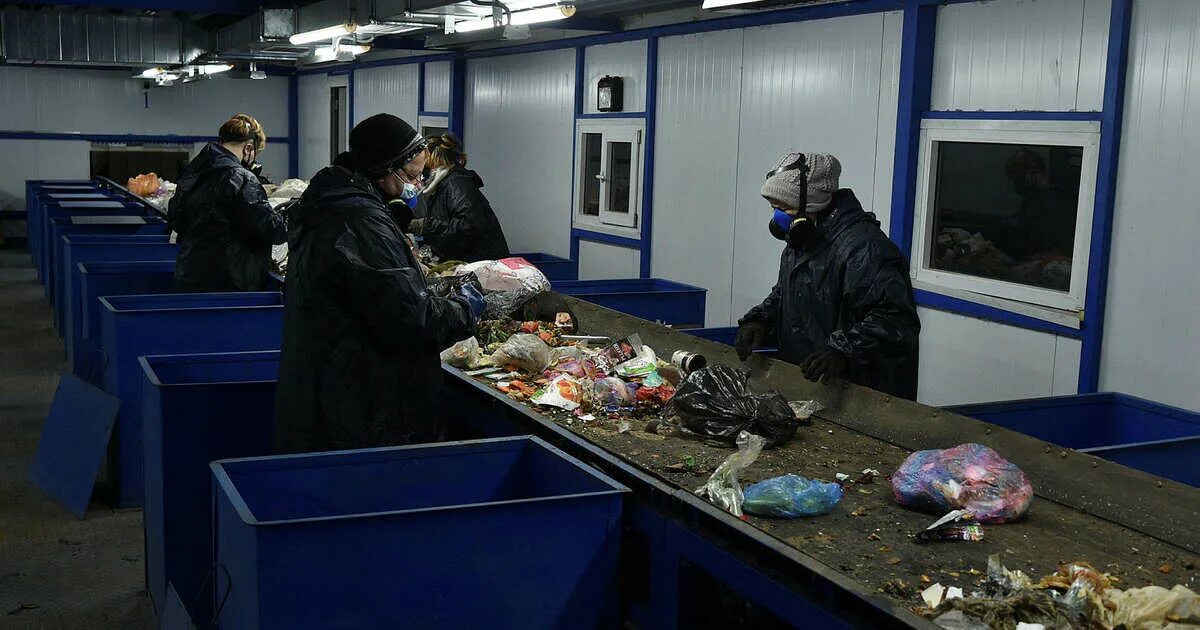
pixel 716 402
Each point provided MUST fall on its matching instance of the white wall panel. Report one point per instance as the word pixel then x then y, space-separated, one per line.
pixel 520 117
pixel 626 60
pixel 1066 367
pixel 437 86
pixel 811 87
pixel 1021 55
pixel 1151 339
pixel 966 360
pixel 92 101
pixel 698 89
pixel 38 159
pixel 600 261
pixel 885 128
pixel 388 89
pixel 313 111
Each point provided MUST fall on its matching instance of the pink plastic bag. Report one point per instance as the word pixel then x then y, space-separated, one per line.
pixel 969 477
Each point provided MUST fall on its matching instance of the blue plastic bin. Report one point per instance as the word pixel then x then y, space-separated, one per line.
pixel 99 279
pixel 503 533
pixel 75 248
pixel 554 267
pixel 132 326
pixel 62 227
pixel 1141 434
pixel 35 189
pixel 54 209
pixel 196 409
pixel 653 299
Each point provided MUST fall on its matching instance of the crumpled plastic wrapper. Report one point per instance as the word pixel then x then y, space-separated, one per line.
pixel 465 355
pixel 525 351
pixel 722 488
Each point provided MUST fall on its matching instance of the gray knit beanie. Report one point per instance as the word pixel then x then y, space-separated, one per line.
pixel 782 187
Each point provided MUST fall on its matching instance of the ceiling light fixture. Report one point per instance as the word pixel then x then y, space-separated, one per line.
pixel 716 4
pixel 308 37
pixel 541 15
pixel 255 73
pixel 151 73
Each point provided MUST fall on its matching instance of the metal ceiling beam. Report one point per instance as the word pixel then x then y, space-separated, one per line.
pixel 229 7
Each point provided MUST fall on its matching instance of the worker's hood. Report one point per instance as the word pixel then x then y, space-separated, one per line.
pixel 333 193
pixel 212 159
pixel 848 212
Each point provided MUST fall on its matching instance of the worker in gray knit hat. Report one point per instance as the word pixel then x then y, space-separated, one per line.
pixel 843 305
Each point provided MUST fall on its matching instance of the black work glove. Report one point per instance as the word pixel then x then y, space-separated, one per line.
pixel 827 363
pixel 750 335
pixel 401 214
pixel 257 169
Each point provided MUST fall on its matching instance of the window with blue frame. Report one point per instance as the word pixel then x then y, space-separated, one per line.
pixel 1004 213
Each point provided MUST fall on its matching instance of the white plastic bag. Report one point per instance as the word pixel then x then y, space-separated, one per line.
pixel 723 488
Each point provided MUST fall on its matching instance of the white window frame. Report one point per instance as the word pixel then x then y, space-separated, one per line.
pixel 432 121
pixel 1057 306
pixel 617 224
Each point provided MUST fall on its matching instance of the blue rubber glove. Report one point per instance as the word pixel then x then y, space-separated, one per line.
pixel 474 299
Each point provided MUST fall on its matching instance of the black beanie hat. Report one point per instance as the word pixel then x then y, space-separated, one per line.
pixel 381 140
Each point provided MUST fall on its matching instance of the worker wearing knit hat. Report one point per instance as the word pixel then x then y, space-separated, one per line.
pixel 843 304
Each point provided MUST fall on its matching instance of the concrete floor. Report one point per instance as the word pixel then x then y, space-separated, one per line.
pixel 55 571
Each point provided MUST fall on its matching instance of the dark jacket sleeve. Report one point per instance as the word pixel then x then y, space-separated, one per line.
pixel 253 217
pixel 463 218
pixel 395 304
pixel 767 312
pixel 883 320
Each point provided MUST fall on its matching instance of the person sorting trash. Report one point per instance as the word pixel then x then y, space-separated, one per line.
pixel 359 365
pixel 843 305
pixel 225 225
pixel 459 223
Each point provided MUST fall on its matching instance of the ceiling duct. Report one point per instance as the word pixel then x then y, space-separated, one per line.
pixel 262 36
pixel 66 37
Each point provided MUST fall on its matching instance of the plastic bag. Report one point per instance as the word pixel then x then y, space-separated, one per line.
pixel 562 392
pixel 790 496
pixel 644 364
pixel 465 354
pixel 290 189
pixel 527 352
pixel 507 284
pixel 969 476
pixel 715 402
pixel 612 391
pixel 722 488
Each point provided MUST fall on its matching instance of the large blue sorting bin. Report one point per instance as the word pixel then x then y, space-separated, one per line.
pixel 654 299
pixel 54 209
pixel 35 208
pixel 503 533
pixel 35 189
pixel 75 248
pixel 132 326
pixel 1149 436
pixel 99 279
pixel 555 268
pixel 112 225
pixel 196 409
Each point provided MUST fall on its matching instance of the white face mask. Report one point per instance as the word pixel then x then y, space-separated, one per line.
pixel 409 191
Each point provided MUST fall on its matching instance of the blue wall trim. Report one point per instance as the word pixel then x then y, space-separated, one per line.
pixel 1106 192
pixel 959 115
pixel 579 234
pixel 350 98
pixel 441 114
pixel 916 85
pixel 580 56
pixel 611 115
pixel 117 137
pixel 648 172
pixel 958 306
pixel 293 127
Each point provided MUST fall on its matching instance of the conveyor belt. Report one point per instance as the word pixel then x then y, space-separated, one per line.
pixel 1136 526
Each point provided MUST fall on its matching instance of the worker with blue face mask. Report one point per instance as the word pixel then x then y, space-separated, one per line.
pixel 843 304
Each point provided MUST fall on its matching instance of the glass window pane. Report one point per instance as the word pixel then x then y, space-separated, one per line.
pixel 592 146
pixel 620 172
pixel 1006 211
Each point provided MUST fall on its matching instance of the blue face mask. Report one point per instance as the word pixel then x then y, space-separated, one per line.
pixel 409 195
pixel 783 221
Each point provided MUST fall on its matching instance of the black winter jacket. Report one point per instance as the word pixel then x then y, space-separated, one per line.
pixel 361 336
pixel 460 223
pixel 848 290
pixel 225 225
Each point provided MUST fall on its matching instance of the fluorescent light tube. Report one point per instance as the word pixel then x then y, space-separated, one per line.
pixel 308 37
pixel 716 4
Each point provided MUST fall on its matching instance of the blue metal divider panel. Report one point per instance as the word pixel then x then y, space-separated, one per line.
pixel 97 280
pixel 653 299
pixel 139 325
pixel 60 209
pixel 61 228
pixel 73 442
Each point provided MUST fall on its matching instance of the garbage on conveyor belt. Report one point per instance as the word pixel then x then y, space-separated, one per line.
pixel 289 189
pixel 716 402
pixel 563 392
pixel 972 477
pixel 1076 596
pixel 507 284
pixel 791 496
pixel 722 488
pixel 957 525
pixel 526 351
pixel 466 354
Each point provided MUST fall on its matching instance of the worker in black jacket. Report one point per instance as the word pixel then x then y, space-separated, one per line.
pixel 225 225
pixel 361 336
pixel 843 305
pixel 459 223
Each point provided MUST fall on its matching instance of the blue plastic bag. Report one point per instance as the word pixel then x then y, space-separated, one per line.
pixel 790 496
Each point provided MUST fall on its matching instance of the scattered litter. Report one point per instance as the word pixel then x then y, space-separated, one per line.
pixel 893 560
pixel 791 496
pixel 1021 625
pixel 482 371
pixel 465 354
pixel 969 476
pixel 925 579
pixel 872 536
pixel 1166 568
pixel 953 526
pixel 503 376
pixel 859 511
pixel 23 607
pixel 805 410
pixel 934 595
pixel 722 488
pixel 716 402
pixel 625 427
pixel 842 477
pixel 562 392
pixel 524 351
pixel 587 417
